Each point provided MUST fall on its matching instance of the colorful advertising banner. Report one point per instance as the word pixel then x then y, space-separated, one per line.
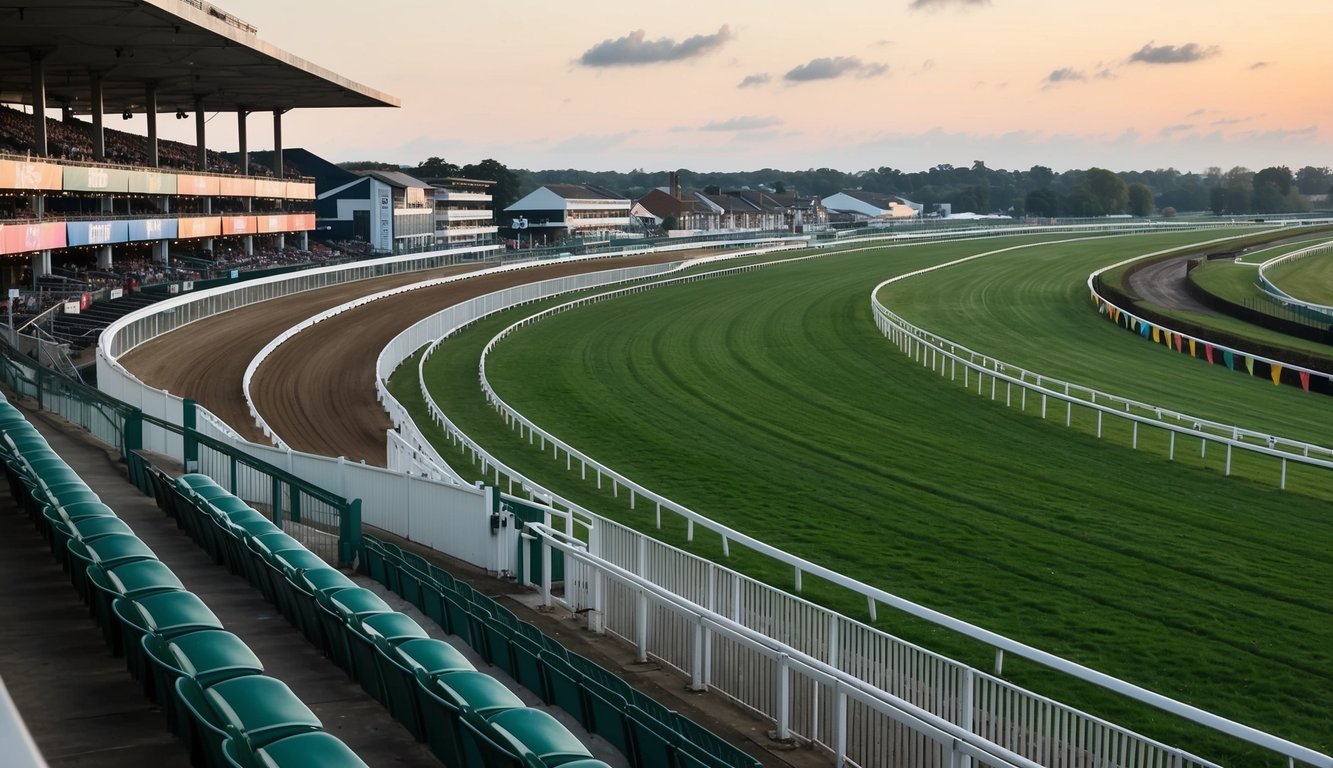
pixel 300 190
pixel 237 186
pixel 22 238
pixel 187 184
pixel 152 229
pixel 285 222
pixel 198 226
pixel 151 183
pixel 22 174
pixel 84 179
pixel 238 225
pixel 274 188
pixel 97 232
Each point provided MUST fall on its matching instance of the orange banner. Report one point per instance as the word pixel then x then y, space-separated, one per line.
pixel 274 188
pixel 287 222
pixel 237 186
pixel 22 174
pixel 198 226
pixel 187 184
pixel 238 225
pixel 300 190
pixel 22 238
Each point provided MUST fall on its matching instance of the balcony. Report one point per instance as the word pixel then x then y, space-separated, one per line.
pixel 464 214
pixel 454 196
pixel 465 231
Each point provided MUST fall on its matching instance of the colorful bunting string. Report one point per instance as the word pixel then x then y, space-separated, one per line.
pixel 1275 371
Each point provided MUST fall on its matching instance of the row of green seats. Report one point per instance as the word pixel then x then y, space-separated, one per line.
pixel 468 718
pixel 648 733
pixel 205 678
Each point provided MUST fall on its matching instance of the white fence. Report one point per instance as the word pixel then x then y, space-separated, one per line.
pixel 1030 725
pixel 1286 299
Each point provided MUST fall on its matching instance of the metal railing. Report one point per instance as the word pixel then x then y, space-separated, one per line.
pixel 1109 736
pixel 1307 309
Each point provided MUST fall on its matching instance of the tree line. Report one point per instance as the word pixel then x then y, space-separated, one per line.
pixel 1037 191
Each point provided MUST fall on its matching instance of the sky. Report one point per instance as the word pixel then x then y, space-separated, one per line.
pixel 859 84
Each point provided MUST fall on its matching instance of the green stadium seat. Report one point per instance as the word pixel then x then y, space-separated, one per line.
pixel 539 733
pixel 307 750
pixel 261 709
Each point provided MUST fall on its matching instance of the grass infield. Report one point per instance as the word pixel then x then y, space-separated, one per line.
pixel 770 402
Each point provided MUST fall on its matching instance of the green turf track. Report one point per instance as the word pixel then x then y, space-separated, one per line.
pixel 770 402
pixel 1308 279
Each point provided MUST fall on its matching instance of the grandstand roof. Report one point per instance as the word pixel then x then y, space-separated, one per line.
pixel 188 48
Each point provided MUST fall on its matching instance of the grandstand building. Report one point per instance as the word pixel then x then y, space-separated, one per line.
pixel 85 198
pixel 858 205
pixel 556 212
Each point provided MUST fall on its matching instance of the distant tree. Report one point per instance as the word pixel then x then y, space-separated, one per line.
pixel 1082 203
pixel 1108 191
pixel 1313 181
pixel 368 165
pixel 435 168
pixel 1042 202
pixel 1240 198
pixel 1168 212
pixel 1140 200
pixel 779 188
pixel 1271 187
pixel 668 222
pixel 506 181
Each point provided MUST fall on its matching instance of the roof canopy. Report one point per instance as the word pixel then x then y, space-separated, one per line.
pixel 189 48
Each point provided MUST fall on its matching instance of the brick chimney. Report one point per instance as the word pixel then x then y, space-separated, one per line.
pixel 673 183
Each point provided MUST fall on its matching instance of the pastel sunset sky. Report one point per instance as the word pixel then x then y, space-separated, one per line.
pixel 746 84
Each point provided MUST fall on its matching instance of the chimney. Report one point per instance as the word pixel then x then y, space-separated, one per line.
pixel 673 181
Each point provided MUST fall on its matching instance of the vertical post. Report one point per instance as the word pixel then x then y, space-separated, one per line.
pixel 641 627
pixel 200 135
pixel 189 420
pixel 999 662
pixel 546 572
pixel 99 131
pixel 697 657
pixel 150 109
pixel 278 170
pixel 784 698
pixel 39 102
pixel 839 726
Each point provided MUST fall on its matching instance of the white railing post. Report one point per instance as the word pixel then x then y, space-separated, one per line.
pixel 784 698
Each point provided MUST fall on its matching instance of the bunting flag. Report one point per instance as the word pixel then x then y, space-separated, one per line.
pixel 1249 364
pixel 1167 336
pixel 1275 371
pixel 1230 358
pixel 1192 348
pixel 1146 331
pixel 1305 380
pixel 1101 308
pixel 1208 352
pixel 1156 334
pixel 1180 343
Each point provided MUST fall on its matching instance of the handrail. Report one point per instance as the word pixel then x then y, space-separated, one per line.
pixel 1281 296
pixel 874 594
pixel 792 659
pixel 1103 301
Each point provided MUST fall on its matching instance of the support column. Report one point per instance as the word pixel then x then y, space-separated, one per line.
pixel 278 170
pixel 150 106
pixel 248 242
pixel 99 134
pixel 39 102
pixel 104 257
pixel 241 145
pixel 160 252
pixel 200 135
pixel 41 265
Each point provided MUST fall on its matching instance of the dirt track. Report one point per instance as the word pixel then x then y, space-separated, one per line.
pixel 1163 284
pixel 318 390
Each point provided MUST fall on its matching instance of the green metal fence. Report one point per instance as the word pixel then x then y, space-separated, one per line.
pixel 324 522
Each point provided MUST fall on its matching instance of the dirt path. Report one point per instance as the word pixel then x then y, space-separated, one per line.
pixel 318 390
pixel 1163 284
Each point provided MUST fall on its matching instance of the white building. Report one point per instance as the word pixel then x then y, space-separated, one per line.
pixel 556 211
pixel 463 213
pixel 869 205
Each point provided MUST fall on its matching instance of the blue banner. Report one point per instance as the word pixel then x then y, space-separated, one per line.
pixel 96 232
pixel 152 229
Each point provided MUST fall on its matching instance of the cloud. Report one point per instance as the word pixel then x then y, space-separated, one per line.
pixel 633 49
pixel 1197 112
pixel 753 80
pixel 1260 64
pixel 745 123
pixel 935 5
pixel 1064 75
pixel 1177 128
pixel 1230 121
pixel 829 68
pixel 1170 54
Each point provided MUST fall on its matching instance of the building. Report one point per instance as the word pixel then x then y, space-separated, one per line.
pixel 864 206
pixel 463 213
pixel 713 210
pixel 556 212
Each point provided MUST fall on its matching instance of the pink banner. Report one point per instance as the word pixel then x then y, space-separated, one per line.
pixel 198 226
pixel 22 174
pixel 288 222
pixel 274 188
pixel 22 238
pixel 300 190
